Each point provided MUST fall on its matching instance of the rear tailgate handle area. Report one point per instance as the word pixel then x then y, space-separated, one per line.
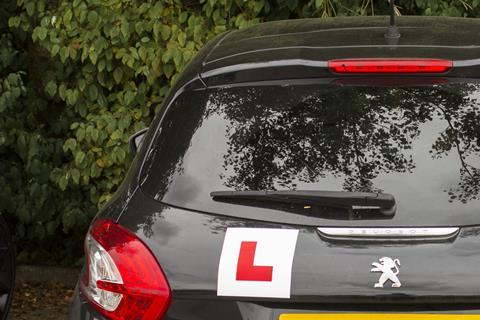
pixel 416 234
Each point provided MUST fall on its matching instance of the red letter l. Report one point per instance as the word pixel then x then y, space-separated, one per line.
pixel 246 271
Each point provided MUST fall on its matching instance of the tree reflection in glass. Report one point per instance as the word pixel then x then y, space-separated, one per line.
pixel 280 137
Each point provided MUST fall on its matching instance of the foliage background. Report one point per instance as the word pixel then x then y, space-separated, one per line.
pixel 77 78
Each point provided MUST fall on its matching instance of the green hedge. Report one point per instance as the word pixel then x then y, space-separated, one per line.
pixel 77 78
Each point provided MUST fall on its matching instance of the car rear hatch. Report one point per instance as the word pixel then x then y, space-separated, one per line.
pixel 414 137
pixel 418 143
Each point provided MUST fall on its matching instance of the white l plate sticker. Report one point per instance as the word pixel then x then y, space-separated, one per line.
pixel 257 262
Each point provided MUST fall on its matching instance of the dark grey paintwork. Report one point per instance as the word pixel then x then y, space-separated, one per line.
pixel 322 40
pixel 326 276
pixel 292 49
pixel 323 271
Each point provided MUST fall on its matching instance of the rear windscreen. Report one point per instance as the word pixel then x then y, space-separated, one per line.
pixel 420 144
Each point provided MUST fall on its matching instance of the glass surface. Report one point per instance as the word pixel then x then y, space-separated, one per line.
pixel 420 144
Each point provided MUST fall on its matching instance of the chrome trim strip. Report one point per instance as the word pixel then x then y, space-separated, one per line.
pixel 390 234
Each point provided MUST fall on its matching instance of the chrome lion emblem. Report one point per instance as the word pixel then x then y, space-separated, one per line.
pixel 389 269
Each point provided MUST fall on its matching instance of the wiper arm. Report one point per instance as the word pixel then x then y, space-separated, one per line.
pixel 383 202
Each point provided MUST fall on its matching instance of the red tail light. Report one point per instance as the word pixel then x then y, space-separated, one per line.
pixel 122 279
pixel 390 66
pixel 389 82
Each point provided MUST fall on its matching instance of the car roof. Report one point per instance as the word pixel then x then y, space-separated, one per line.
pixel 312 42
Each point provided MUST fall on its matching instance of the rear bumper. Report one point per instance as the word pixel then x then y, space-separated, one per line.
pixel 206 309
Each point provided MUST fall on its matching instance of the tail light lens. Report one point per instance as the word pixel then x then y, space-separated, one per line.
pixel 390 65
pixel 389 82
pixel 122 279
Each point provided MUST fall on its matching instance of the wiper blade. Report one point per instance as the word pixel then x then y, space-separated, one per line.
pixel 383 202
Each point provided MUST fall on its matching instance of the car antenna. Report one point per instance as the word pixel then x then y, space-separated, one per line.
pixel 392 31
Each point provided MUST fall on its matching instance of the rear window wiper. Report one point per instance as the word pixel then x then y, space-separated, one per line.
pixel 382 202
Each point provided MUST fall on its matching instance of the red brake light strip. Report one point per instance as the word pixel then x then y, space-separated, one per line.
pixel 390 65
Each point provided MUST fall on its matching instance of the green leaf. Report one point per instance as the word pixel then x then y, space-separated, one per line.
pixel 64 53
pixel 168 70
pixel 40 6
pixel 165 31
pixel 75 173
pixel 30 7
pixel 42 33
pixel 94 135
pixel 182 37
pixel 116 135
pixel 118 74
pixel 258 6
pixel 79 157
pixel 62 183
pixel 93 92
pixel 72 52
pixel 124 29
pixel 14 22
pixel 101 65
pixel 80 134
pixel 70 144
pixel 51 88
pixel 121 154
pixel 55 49
pixel 183 17
pixel 82 84
pixel 129 97
pixel 67 17
pixel 93 56
pixel 92 17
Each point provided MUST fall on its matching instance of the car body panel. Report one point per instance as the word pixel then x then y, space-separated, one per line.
pixel 188 246
pixel 337 38
pixel 326 276
pixel 296 49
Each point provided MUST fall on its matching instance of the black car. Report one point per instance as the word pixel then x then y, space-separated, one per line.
pixel 303 170
pixel 7 268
